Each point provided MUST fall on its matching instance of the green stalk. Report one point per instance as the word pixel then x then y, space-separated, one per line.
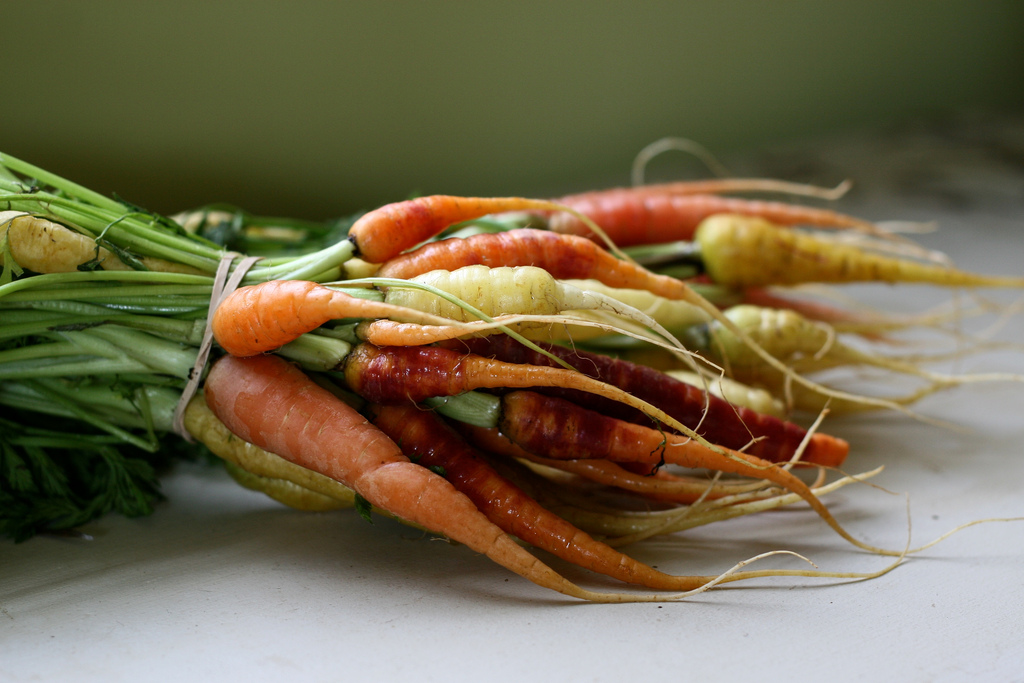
pixel 315 352
pixel 57 402
pixel 63 282
pixel 39 319
pixel 71 188
pixel 159 355
pixel 108 402
pixel 110 350
pixel 472 407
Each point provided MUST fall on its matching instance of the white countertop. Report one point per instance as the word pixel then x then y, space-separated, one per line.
pixel 222 582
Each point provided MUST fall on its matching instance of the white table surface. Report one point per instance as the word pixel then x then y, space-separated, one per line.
pixel 223 584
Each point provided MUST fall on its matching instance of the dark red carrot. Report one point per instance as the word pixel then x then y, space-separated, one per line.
pixel 659 485
pixel 555 428
pixel 714 418
pixel 432 443
pixel 399 374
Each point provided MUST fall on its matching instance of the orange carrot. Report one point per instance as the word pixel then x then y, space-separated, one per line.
pixel 564 256
pixel 260 318
pixel 270 403
pixel 382 234
pixel 641 216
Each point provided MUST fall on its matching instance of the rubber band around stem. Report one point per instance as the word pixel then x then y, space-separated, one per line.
pixel 222 286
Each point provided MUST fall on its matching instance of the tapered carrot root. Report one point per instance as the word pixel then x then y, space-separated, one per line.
pixel 432 443
pixel 714 418
pixel 264 317
pixel 564 256
pixel 641 216
pixel 659 485
pixel 554 428
pixel 268 402
pixel 740 251
pixel 384 233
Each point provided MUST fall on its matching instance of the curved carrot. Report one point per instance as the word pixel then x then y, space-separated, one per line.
pixel 739 251
pixel 714 418
pixel 270 403
pixel 384 233
pixel 564 256
pixel 399 374
pixel 260 318
pixel 392 333
pixel 659 485
pixel 555 428
pixel 640 216
pixel 432 443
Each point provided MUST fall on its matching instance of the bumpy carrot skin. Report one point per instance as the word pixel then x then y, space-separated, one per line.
pixel 403 374
pixel 564 256
pixel 724 424
pixel 384 233
pixel 658 485
pixel 432 443
pixel 268 402
pixel 400 374
pixel 740 251
pixel 555 428
pixel 639 216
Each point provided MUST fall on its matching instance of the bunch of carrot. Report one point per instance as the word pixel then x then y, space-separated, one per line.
pixel 446 382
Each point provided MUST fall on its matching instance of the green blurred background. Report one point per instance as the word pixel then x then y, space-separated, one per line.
pixel 317 109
